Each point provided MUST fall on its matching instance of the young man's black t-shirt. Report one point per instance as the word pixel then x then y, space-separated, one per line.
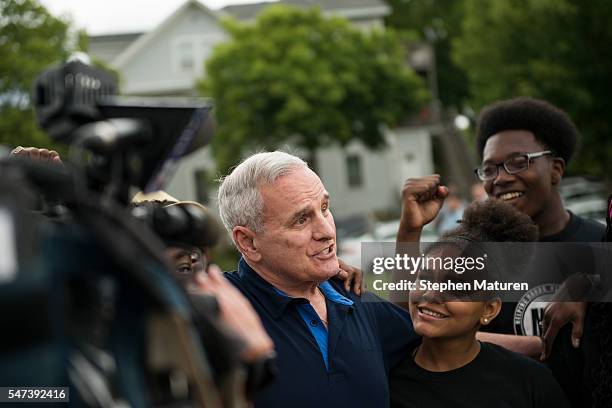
pixel 566 362
pixel 578 229
pixel 495 378
pixel 512 320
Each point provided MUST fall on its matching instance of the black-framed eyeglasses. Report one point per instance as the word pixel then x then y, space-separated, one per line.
pixel 513 165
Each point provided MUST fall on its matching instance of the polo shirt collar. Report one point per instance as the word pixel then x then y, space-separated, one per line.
pixel 274 300
pixel 329 293
pixel 333 295
pixel 271 300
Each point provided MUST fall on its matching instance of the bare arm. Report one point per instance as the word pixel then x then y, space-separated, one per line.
pixel 530 346
pixel 422 199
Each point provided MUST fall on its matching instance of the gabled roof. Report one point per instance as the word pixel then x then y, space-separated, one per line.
pixel 117 37
pixel 245 11
pixel 338 4
pixel 108 46
pixel 146 39
pixel 347 8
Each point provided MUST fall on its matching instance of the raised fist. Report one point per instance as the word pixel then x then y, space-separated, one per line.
pixel 422 199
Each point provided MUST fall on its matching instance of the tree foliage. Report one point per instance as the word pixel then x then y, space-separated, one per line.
pixel 31 39
pixel 558 50
pixel 437 22
pixel 296 76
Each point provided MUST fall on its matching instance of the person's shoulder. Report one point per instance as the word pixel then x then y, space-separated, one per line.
pixel 370 302
pixel 234 278
pixel 511 360
pixel 243 285
pixel 589 230
pixel 389 317
pixel 359 301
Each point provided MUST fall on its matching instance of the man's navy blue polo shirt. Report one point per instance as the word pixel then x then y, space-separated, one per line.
pixel 366 339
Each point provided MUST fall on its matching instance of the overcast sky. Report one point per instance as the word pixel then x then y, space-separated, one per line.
pixel 116 16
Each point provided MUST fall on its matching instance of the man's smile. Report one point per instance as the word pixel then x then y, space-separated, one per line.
pixel 510 195
pixel 326 253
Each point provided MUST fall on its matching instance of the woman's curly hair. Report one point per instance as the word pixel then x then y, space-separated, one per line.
pixel 494 220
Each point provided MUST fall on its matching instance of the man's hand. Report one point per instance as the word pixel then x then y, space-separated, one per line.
pixel 35 153
pixel 238 314
pixel 557 315
pixel 351 276
pixel 422 199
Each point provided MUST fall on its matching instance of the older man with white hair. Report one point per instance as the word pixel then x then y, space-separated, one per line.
pixel 334 348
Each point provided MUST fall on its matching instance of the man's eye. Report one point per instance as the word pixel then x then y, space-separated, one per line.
pixel 183 270
pixel 488 170
pixel 302 220
pixel 325 207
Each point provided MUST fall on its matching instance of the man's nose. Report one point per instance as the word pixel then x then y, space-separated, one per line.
pixel 324 229
pixel 503 177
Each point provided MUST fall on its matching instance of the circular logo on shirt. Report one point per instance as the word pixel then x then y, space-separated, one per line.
pixel 529 311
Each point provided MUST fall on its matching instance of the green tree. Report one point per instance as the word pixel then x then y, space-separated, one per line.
pixel 436 22
pixel 31 39
pixel 296 76
pixel 558 50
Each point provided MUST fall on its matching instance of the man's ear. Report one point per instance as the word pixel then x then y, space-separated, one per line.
pixel 558 168
pixel 245 241
pixel 490 312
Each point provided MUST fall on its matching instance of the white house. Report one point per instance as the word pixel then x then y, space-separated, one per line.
pixel 169 59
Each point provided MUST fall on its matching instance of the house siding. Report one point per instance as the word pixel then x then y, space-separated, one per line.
pixel 154 69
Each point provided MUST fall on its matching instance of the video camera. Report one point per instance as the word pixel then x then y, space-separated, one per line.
pixel 89 303
pixel 137 141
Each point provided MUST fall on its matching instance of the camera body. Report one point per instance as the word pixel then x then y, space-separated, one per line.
pixel 69 96
pixel 184 223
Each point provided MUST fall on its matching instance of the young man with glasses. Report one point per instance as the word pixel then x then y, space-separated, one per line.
pixel 525 145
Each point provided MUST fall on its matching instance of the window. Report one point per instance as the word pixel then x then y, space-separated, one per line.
pixel 190 51
pixel 186 57
pixel 354 171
